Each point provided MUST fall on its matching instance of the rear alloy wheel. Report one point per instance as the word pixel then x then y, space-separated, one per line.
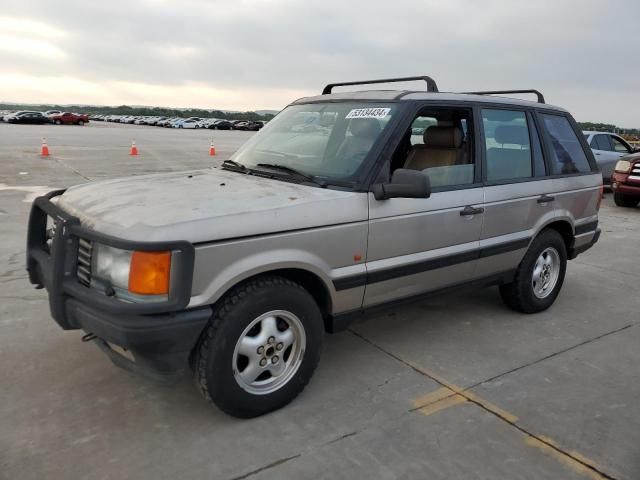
pixel 261 347
pixel 58 122
pixel 623 200
pixel 80 123
pixel 539 277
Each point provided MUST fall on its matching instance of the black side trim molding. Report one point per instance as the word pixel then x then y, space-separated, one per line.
pixel 586 227
pixel 340 322
pixel 426 265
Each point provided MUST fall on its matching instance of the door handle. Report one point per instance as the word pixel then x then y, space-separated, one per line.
pixel 469 210
pixel 546 199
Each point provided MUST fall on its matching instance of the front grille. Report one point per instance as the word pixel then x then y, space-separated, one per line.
pixel 634 175
pixel 85 251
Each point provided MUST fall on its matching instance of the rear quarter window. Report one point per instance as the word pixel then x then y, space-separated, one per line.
pixel 567 155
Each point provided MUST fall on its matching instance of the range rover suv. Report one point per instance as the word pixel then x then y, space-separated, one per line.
pixel 343 203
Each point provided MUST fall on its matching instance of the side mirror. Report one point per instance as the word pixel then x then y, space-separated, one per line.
pixel 404 184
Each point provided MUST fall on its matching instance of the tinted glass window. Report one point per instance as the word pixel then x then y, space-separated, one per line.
pixel 567 155
pixel 618 146
pixel 602 143
pixel 507 144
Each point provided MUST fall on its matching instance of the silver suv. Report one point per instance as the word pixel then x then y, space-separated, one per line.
pixel 344 203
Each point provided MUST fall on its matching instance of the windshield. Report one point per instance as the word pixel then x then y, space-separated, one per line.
pixel 322 139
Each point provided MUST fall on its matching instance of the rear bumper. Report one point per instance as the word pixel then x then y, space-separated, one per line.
pixel 577 249
pixel 159 335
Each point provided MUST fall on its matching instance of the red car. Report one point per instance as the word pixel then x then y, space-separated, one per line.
pixel 69 118
pixel 625 181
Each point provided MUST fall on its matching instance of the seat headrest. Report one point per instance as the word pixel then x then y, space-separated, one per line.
pixel 364 127
pixel 443 137
pixel 511 134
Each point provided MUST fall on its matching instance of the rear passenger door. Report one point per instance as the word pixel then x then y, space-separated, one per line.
pixel 518 193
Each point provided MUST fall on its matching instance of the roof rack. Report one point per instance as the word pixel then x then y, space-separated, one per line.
pixel 431 84
pixel 497 92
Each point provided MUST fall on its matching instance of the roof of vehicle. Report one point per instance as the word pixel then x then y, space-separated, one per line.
pixel 593 132
pixel 410 95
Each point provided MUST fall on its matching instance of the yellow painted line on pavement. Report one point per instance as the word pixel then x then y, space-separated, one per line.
pixel 450 395
pixel 442 404
pixel 565 459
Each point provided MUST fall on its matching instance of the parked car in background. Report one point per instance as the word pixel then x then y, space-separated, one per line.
pixel 35 118
pixel 192 122
pixel 608 148
pixel 68 118
pixel 254 126
pixel 625 181
pixel 240 125
pixel 221 125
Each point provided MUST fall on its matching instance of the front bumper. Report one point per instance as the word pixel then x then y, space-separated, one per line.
pixel 160 336
pixel 620 183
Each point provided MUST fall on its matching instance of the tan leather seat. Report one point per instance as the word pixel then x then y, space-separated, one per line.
pixel 441 148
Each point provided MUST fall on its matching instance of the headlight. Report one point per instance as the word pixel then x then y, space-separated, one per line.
pixel 132 272
pixel 623 166
pixel 111 265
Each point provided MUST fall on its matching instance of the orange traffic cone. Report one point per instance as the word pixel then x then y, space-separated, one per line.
pixel 212 149
pixel 44 151
pixel 134 149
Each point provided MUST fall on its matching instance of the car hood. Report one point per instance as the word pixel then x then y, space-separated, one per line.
pixel 207 205
pixel 632 157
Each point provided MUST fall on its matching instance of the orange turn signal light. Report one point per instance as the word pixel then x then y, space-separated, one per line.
pixel 149 273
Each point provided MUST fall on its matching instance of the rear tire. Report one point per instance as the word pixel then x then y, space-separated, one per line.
pixel 623 200
pixel 80 123
pixel 539 277
pixel 58 122
pixel 261 347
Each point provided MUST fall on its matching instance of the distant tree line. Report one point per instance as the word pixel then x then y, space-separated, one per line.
pixel 607 127
pixel 150 111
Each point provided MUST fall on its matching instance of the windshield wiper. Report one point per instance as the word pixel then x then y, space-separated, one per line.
pixel 234 165
pixel 292 171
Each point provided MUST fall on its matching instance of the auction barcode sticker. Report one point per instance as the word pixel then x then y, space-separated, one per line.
pixel 368 113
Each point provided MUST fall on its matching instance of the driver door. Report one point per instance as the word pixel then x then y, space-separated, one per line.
pixel 419 245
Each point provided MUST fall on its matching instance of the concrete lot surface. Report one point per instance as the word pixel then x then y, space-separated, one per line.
pixel 455 387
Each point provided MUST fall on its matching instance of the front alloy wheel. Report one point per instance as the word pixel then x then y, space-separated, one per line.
pixel 269 352
pixel 261 347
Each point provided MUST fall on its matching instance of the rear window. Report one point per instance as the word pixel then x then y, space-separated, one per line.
pixel 567 155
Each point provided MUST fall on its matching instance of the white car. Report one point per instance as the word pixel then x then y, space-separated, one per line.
pixel 192 122
pixel 607 148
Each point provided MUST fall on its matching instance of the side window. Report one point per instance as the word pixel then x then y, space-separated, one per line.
pixel 601 143
pixel 618 146
pixel 567 155
pixel 439 144
pixel 507 144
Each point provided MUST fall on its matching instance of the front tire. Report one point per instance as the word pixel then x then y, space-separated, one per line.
pixel 623 200
pixel 260 348
pixel 80 123
pixel 58 122
pixel 539 277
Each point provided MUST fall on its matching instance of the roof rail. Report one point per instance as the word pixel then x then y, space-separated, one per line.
pixel 497 92
pixel 431 84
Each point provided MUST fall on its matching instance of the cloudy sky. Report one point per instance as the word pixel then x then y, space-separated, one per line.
pixel 261 54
